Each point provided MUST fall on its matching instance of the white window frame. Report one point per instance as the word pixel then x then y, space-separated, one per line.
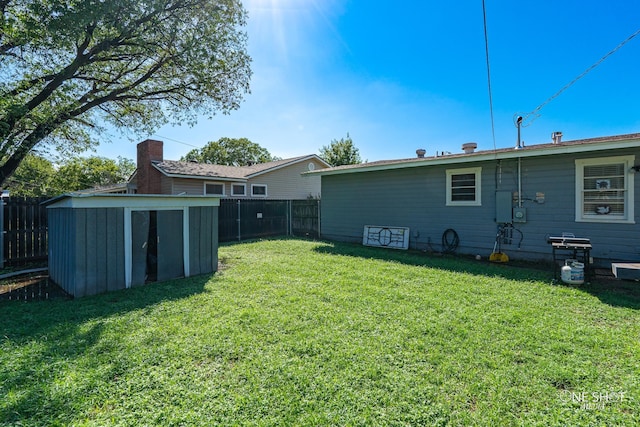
pixel 628 217
pixel 477 171
pixel 259 195
pixel 204 190
pixel 240 184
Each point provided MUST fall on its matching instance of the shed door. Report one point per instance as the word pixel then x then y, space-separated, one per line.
pixel 170 240
pixel 140 222
pixel 157 243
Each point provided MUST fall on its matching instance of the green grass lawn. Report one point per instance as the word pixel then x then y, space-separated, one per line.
pixel 295 332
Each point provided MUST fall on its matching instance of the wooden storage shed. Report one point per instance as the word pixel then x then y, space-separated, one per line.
pixel 107 242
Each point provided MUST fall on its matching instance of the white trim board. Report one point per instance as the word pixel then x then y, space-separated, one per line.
pixel 134 201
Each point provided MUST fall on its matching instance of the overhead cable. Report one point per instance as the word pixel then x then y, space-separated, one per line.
pixel 568 85
pixel 486 49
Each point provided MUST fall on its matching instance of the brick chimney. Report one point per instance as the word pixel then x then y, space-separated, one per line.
pixel 148 177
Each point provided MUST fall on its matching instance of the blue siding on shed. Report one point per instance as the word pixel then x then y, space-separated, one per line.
pixel 86 252
pixel 203 245
pixel 87 247
pixel 62 260
pixel 416 198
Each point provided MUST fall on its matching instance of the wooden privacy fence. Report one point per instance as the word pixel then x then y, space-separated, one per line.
pixel 305 218
pixel 24 221
pixel 24 230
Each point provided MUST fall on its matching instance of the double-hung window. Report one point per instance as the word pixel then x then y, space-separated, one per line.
pixel 463 187
pixel 604 189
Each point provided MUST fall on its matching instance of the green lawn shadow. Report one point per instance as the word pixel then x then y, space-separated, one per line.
pixel 617 293
pixel 66 329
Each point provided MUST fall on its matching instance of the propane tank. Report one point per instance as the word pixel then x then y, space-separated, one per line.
pixel 572 272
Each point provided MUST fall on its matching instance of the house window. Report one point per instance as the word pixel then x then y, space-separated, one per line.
pixel 604 189
pixel 238 190
pixel 259 190
pixel 214 189
pixel 463 187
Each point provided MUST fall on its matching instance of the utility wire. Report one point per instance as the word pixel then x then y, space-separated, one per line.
pixel 175 140
pixel 486 49
pixel 568 85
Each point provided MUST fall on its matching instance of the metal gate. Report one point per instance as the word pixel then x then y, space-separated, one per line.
pixel 241 219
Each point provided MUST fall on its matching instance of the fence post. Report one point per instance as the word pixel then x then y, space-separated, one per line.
pixel 1 232
pixel 239 235
pixel 290 219
pixel 319 222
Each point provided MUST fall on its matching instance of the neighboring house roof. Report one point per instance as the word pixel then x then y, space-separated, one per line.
pixel 104 189
pixel 177 169
pixel 565 147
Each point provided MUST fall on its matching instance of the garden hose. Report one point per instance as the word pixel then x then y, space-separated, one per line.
pixel 450 241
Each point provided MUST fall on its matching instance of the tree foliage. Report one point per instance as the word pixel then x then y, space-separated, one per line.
pixel 342 152
pixel 231 152
pixel 86 172
pixel 68 66
pixel 33 178
pixel 38 176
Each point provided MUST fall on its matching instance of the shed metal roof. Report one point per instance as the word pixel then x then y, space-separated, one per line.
pixel 134 201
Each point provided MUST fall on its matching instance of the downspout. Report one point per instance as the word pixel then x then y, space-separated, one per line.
pixel 519 182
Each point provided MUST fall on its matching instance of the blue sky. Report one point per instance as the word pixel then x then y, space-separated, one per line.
pixel 398 76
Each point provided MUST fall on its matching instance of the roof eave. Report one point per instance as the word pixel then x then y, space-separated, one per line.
pixel 294 161
pixel 554 149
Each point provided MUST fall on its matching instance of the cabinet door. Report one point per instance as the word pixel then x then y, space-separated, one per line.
pixel 170 245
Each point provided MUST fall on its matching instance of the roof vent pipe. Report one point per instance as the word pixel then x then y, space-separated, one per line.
pixel 421 152
pixel 556 137
pixel 518 125
pixel 469 147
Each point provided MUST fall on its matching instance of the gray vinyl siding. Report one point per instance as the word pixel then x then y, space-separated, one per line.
pixel 166 185
pixel 86 250
pixel 416 198
pixel 195 187
pixel 288 183
pixel 186 186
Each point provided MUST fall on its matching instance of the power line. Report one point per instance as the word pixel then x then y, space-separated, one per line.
pixel 175 140
pixel 486 49
pixel 568 85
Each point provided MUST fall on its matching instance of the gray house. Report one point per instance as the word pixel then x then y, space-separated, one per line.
pixel 100 243
pixel 584 187
pixel 277 180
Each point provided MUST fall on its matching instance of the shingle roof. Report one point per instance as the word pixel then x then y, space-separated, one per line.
pixel 192 169
pixel 100 189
